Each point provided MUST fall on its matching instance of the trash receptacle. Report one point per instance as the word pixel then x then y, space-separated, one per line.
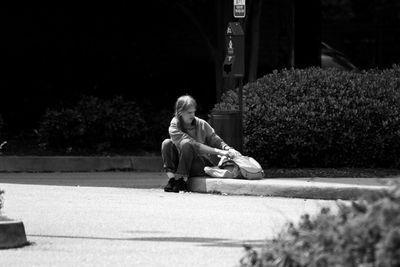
pixel 227 124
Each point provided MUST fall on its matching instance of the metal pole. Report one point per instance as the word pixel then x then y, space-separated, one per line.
pixel 240 96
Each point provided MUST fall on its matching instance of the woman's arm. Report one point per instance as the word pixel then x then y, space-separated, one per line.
pixel 214 151
pixel 176 134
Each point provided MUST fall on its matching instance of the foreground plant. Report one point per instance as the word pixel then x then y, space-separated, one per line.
pixel 363 234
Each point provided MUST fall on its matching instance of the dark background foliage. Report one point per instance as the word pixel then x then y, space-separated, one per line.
pixel 150 52
pixel 96 126
pixel 1 126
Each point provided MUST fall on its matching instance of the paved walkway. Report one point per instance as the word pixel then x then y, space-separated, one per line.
pixel 104 226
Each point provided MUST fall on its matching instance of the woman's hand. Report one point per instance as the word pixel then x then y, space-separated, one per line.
pixel 235 152
pixel 231 153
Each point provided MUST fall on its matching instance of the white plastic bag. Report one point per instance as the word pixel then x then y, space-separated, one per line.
pixel 240 167
pixel 249 167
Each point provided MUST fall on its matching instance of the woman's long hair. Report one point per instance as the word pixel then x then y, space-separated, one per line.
pixel 182 104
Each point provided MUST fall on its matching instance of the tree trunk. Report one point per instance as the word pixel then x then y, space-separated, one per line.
pixel 224 11
pixel 218 58
pixel 254 36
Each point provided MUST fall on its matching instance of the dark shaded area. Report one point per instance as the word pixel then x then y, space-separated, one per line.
pixel 367 32
pixel 307 33
pixel 52 55
pixel 151 52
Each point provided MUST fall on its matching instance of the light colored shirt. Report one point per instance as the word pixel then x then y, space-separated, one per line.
pixel 199 132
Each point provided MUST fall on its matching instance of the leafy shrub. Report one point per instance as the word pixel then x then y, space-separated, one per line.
pixel 322 118
pixel 158 122
pixel 93 124
pixel 366 233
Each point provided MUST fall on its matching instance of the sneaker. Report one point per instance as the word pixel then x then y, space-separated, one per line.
pixel 171 185
pixel 180 185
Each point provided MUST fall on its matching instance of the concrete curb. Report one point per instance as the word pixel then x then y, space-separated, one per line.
pixel 12 234
pixel 79 164
pixel 281 188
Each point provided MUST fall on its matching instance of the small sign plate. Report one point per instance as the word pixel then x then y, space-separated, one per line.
pixel 239 8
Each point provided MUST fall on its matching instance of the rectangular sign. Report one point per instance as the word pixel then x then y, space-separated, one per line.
pixel 239 8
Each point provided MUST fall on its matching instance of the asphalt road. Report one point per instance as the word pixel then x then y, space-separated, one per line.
pixel 104 226
pixel 95 179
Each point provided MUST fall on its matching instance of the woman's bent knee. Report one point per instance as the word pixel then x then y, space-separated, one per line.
pixel 187 146
pixel 167 143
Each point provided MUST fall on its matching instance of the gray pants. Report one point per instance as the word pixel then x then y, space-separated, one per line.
pixel 186 162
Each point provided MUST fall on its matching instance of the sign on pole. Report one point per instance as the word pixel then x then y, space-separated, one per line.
pixel 239 8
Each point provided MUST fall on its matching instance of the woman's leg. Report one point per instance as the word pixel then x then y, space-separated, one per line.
pixel 170 156
pixel 190 163
pixel 186 163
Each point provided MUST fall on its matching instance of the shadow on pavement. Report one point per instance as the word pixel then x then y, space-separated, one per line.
pixel 202 241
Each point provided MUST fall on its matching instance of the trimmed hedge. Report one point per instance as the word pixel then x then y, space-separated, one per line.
pixel 93 124
pixel 157 122
pixel 366 233
pixel 322 118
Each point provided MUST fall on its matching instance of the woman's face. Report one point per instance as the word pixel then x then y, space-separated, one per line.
pixel 188 115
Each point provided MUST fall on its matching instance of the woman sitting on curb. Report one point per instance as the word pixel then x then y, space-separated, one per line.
pixel 192 143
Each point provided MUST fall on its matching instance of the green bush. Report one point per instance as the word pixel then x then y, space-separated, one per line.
pixel 93 124
pixel 322 118
pixel 366 233
pixel 157 128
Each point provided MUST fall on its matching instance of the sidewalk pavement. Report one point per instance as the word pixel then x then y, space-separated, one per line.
pixel 105 226
pixel 140 167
